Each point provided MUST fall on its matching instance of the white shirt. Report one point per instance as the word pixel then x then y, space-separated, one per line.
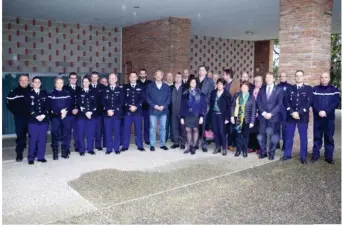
pixel 269 86
pixel 300 85
pixel 86 89
pixel 185 80
pixel 142 80
pixel 73 86
pixel 37 91
pixel 94 85
pixel 159 84
pixel 112 87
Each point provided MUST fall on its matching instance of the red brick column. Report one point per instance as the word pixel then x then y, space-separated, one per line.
pixel 159 44
pixel 304 39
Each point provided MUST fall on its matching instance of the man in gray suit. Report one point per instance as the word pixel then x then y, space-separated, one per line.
pixel 206 85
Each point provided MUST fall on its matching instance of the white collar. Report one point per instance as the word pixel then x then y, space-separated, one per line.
pixel 37 91
pixel 300 85
pixel 133 85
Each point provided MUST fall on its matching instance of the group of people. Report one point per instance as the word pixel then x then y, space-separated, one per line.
pixel 243 116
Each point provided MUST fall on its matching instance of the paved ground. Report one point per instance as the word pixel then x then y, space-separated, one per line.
pixel 172 188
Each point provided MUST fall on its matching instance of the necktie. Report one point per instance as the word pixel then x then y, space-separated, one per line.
pixel 268 92
pixel 133 85
pixel 112 88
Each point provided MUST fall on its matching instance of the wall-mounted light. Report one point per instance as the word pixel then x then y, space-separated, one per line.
pixel 136 7
pixel 249 33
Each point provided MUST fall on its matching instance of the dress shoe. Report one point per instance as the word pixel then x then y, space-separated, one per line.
pixel 250 150
pixel 152 148
pixel 314 159
pixel 108 152
pixel 42 160
pixel 123 149
pixel 330 161
pixel 174 146
pixel 217 150
pixel 303 162
pixel 91 152
pixel 262 156
pixel 284 158
pixel 19 158
pixel 164 148
pixel 141 149
pixel 204 149
pixel 224 152
pixel 231 148
pixel 31 162
pixel 99 148
pixel 182 147
pixel 76 150
pixel 117 152
pixel 148 143
pixel 187 151
pixel 192 151
pixel 237 153
pixel 65 156
pixel 81 153
pixel 245 154
pixel 271 157
pixel 196 147
pixel 68 152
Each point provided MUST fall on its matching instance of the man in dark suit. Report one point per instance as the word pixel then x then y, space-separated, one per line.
pixel 269 102
pixel 206 85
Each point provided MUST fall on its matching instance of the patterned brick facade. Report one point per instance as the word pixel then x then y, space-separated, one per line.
pixel 32 45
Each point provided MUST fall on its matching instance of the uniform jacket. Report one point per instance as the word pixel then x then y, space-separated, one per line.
pixel 59 100
pixel 224 103
pixel 273 105
pixel 207 87
pixel 283 86
pixel 161 97
pixel 144 85
pixel 74 94
pixel 250 108
pixel 134 96
pixel 86 102
pixel 325 98
pixel 198 108
pixel 18 101
pixel 39 105
pixel 298 100
pixel 98 93
pixel 113 100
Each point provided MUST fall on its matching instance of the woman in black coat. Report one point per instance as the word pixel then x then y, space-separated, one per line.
pixel 220 101
pixel 243 117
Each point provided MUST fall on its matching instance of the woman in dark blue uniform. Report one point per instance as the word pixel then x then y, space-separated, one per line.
pixel 38 122
pixel 193 108
pixel 87 105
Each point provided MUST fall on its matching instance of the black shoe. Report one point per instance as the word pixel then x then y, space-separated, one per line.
pixel 141 149
pixel 204 149
pixel 174 146
pixel 117 152
pixel 42 160
pixel 152 148
pixel 187 151
pixel 92 152
pixel 217 150
pixel 164 148
pixel 76 150
pixel 196 147
pixel 108 152
pixel 271 157
pixel 224 152
pixel 31 162
pixel 314 159
pixel 81 153
pixel 303 162
pixel 19 158
pixel 330 161
pixel 65 156
pixel 148 143
pixel 182 147
pixel 262 156
pixel 237 153
pixel 68 152
pixel 284 158
pixel 245 154
pixel 123 149
pixel 99 148
pixel 192 151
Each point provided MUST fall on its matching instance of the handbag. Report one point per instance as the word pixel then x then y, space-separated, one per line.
pixel 209 134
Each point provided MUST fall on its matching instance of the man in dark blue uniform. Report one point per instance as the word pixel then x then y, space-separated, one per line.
pixel 145 107
pixel 97 89
pixel 284 86
pixel 326 99
pixel 59 105
pixel 112 101
pixel 134 98
pixel 297 103
pixel 74 91
pixel 18 101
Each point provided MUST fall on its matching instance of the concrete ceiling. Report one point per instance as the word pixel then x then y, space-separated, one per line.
pixel 219 18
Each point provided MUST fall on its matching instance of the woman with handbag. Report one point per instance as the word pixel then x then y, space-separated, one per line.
pixel 192 111
pixel 243 117
pixel 219 110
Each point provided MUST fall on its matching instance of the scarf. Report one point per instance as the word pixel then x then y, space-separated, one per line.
pixel 239 111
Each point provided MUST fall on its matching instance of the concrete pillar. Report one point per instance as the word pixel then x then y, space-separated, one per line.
pixel 304 38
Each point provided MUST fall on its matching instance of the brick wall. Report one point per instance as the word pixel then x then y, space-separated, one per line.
pixel 220 53
pixel 33 45
pixel 159 44
pixel 304 38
